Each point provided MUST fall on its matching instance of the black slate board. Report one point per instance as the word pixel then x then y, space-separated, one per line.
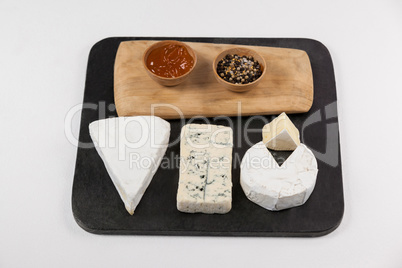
pixel 97 207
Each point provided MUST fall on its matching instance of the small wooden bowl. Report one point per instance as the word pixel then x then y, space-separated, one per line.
pixel 169 82
pixel 239 51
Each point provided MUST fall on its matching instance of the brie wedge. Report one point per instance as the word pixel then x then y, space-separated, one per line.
pixel 132 149
pixel 277 187
pixel 205 182
pixel 281 134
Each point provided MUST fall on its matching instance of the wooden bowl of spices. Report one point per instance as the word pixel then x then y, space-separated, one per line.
pixel 239 69
pixel 169 62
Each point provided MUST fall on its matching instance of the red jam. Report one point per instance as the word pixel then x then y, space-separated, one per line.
pixel 170 61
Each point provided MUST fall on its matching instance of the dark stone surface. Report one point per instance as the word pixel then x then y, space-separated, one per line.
pixel 98 208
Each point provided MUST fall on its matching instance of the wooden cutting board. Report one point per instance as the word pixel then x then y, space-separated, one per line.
pixel 286 87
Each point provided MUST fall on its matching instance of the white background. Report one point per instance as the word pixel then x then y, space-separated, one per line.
pixel 43 55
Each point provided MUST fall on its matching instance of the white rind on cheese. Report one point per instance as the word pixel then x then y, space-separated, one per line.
pixel 281 134
pixel 132 149
pixel 205 180
pixel 277 187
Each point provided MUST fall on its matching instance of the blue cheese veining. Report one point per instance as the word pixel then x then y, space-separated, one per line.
pixel 205 182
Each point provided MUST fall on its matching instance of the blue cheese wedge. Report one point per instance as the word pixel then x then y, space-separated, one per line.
pixel 275 187
pixel 205 180
pixel 132 149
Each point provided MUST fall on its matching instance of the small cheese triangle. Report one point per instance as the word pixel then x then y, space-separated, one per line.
pixel 132 149
pixel 281 134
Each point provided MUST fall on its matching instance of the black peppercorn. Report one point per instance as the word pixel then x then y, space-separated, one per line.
pixel 239 69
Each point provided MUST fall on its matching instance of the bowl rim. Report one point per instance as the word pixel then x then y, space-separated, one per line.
pixel 215 63
pixel 148 49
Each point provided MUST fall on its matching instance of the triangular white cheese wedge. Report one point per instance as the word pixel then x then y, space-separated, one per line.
pixel 281 134
pixel 277 187
pixel 132 149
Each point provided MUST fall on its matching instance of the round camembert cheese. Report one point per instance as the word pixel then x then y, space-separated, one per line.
pixel 277 187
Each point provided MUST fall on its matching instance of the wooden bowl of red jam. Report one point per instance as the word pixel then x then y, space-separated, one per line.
pixel 169 62
pixel 239 69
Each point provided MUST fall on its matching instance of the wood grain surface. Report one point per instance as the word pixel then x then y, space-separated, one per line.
pixel 286 87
